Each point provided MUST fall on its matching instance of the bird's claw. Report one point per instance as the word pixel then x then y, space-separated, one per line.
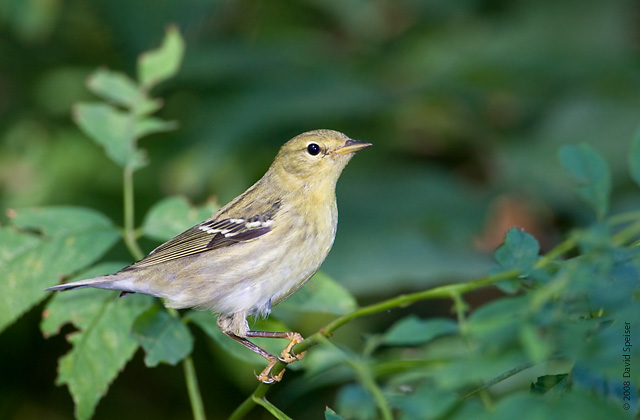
pixel 266 377
pixel 287 356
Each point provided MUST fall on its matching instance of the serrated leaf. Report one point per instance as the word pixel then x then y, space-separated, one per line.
pixel 173 215
pixel 634 158
pixel 164 338
pixel 103 343
pixel 592 174
pixel 79 305
pixel 160 64
pixel 70 239
pixel 413 330
pixel 321 294
pixel 112 129
pixel 520 251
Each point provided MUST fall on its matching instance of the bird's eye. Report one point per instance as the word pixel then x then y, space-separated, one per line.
pixel 313 149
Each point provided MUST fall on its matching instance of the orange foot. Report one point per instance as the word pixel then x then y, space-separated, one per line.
pixel 266 377
pixel 286 355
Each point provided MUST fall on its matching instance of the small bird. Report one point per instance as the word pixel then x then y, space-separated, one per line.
pixel 254 252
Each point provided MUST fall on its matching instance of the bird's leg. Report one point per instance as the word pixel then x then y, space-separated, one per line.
pixel 265 376
pixel 286 356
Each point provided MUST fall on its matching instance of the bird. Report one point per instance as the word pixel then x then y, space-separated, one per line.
pixel 255 251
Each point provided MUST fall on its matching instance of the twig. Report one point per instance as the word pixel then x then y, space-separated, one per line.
pixel 399 301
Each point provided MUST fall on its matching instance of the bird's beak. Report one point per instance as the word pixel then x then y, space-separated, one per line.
pixel 351 146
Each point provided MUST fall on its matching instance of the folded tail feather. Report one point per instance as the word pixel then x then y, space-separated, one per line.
pixel 111 282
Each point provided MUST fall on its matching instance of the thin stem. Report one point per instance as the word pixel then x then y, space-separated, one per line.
pixel 621 218
pixel 460 307
pixel 192 388
pixel 131 240
pixel 191 379
pixel 450 291
pixel 499 378
pixel 627 234
pixel 557 251
pixel 368 382
pixel 366 377
pixel 247 405
pixel 130 237
pixel 406 300
pixel 399 301
pixel 275 411
pixel 620 238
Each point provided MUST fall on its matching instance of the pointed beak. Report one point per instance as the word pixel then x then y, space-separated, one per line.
pixel 351 146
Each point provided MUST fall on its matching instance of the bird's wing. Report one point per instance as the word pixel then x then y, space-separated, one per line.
pixel 211 234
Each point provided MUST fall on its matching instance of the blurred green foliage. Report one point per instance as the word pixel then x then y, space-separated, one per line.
pixel 467 104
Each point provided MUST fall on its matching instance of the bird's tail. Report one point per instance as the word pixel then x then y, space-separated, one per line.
pixel 111 281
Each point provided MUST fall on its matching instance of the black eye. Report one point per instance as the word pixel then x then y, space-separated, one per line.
pixel 313 149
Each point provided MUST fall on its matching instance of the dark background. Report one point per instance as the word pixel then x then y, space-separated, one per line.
pixel 466 103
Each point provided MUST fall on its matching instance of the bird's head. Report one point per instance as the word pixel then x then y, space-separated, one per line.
pixel 317 156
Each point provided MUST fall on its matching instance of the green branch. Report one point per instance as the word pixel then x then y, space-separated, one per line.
pixel 405 300
pixel 130 236
pixel 195 398
pixel 454 292
pixel 275 411
pixel 397 302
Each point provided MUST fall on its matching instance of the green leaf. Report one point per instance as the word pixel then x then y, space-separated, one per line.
pixel 173 215
pixel 520 251
pixel 152 125
pixel 576 404
pixel 424 403
pixel 121 90
pixel 323 359
pixel 160 64
pixel 68 239
pixel 164 337
pixel 112 129
pixel 592 174
pixel 13 243
pixel 467 409
pixel 497 323
pixel 321 294
pixel 355 402
pixel 548 382
pixel 634 158
pixel 329 414
pixel 103 343
pixel 534 343
pixel 81 301
pixel 413 330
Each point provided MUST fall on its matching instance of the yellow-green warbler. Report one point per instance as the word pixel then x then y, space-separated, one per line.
pixel 255 251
